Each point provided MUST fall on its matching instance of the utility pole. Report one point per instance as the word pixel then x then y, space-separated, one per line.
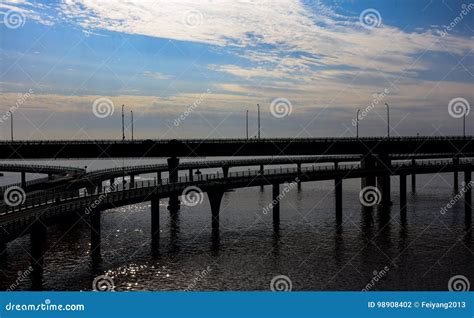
pixel 123 124
pixel 11 124
pixel 131 112
pixel 258 108
pixel 464 124
pixel 357 121
pixel 247 124
pixel 388 120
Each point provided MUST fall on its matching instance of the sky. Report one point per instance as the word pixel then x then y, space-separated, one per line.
pixel 192 69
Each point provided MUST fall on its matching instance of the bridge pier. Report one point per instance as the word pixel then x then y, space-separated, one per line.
pixel 468 196
pixel 276 205
pixel 455 175
pixel 190 175
pixel 403 196
pixel 215 199
pixel 261 173
pixel 338 196
pixel 298 168
pixel 155 221
pixel 95 218
pixel 383 181
pixel 225 171
pixel 413 177
pixel 368 162
pixel 158 177
pixel 38 235
pixel 173 168
pixel 23 180
pixel 132 181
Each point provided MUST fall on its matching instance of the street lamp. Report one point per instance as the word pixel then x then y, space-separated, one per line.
pixel 123 124
pixel 131 112
pixel 258 108
pixel 388 120
pixel 247 124
pixel 357 122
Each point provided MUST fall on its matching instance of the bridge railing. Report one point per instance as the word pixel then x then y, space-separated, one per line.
pixel 230 140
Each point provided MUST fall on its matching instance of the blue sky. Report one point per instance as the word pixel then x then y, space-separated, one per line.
pixel 207 62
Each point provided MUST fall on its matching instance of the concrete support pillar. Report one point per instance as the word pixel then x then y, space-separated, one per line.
pixel 95 216
pixel 338 195
pixel 38 248
pixel 368 162
pixel 215 199
pixel 225 171
pixel 190 175
pixel 455 173
pixel 261 172
pixel 173 168
pixel 23 180
pixel 155 220
pixel 132 181
pixel 298 168
pixel 100 188
pixel 276 205
pixel 158 177
pixel 468 196
pixel 383 181
pixel 403 196
pixel 413 177
pixel 112 183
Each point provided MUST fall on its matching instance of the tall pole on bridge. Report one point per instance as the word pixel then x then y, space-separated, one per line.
pixel 247 124
pixel 123 124
pixel 11 124
pixel 388 120
pixel 464 124
pixel 258 108
pixel 357 122
pixel 131 112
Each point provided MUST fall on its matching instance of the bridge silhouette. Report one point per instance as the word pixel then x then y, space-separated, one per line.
pixel 378 160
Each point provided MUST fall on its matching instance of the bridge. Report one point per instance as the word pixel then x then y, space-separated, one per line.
pixel 232 147
pixel 24 218
pixel 51 170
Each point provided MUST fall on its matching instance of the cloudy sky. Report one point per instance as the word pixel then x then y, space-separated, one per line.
pixel 193 68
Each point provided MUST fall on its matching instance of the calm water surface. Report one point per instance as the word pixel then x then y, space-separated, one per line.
pixel 420 254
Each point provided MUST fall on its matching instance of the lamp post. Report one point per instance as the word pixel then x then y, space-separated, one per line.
pixel 463 124
pixel 258 108
pixel 11 125
pixel 123 124
pixel 357 123
pixel 247 124
pixel 388 120
pixel 131 113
